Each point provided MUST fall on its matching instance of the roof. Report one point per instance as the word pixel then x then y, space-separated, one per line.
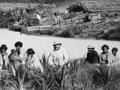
pixel 98 6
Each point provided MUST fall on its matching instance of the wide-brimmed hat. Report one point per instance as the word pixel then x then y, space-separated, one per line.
pixel 57 43
pixel 90 47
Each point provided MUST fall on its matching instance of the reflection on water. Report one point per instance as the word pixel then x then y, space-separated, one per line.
pixel 43 44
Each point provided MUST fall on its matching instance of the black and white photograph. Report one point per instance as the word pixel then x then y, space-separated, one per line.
pixel 59 44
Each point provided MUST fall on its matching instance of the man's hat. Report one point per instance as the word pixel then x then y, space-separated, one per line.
pixel 57 43
pixel 90 47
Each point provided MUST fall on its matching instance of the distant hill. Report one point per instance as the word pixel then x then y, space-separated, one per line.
pixel 35 1
pixel 53 1
pixel 18 1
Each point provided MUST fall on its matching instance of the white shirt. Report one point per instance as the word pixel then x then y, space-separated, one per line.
pixel 58 57
pixel 22 52
pixel 117 60
pixel 5 57
pixel 38 17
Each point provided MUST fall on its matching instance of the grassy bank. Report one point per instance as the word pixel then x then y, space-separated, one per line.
pixel 113 34
pixel 75 75
pixel 107 31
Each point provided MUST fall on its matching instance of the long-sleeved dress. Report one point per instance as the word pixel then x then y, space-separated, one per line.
pixel 33 62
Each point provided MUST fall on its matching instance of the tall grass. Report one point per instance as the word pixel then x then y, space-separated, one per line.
pixel 74 75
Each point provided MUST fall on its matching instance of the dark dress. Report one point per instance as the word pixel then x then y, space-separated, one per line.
pixel 92 57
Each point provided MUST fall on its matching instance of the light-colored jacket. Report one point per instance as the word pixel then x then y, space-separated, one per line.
pixel 33 62
pixel 59 57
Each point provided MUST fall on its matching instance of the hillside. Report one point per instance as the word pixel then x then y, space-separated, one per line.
pixel 45 1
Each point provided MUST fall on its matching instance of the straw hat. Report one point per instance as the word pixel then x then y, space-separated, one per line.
pixel 90 47
pixel 57 43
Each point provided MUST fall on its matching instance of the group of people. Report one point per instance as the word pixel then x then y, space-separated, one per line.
pixel 58 57
pixel 19 57
pixel 105 57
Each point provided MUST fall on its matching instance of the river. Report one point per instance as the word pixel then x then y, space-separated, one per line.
pixel 75 48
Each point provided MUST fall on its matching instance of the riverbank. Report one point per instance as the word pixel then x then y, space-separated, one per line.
pixel 75 48
pixel 110 33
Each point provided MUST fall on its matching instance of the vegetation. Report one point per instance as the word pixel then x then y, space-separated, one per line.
pixel 76 8
pixel 113 34
pixel 35 1
pixel 75 75
pixel 70 32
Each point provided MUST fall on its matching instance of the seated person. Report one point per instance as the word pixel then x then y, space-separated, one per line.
pixel 117 58
pixel 106 57
pixel 58 57
pixel 92 55
pixel 32 61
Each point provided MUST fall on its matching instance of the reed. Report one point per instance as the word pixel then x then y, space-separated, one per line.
pixel 74 75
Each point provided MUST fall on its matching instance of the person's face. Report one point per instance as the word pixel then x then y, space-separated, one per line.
pixel 105 50
pixel 18 48
pixel 89 50
pixel 56 47
pixel 3 50
pixel 30 55
pixel 114 52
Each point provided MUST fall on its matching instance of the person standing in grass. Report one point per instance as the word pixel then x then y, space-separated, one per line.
pixel 106 57
pixel 3 56
pixel 39 18
pixel 92 55
pixel 58 56
pixel 32 61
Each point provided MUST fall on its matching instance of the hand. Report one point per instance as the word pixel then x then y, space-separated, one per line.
pixel 102 62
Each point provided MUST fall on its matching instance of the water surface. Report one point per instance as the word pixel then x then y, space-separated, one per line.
pixel 43 44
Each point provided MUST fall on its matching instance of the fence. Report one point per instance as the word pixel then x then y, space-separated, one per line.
pixel 78 20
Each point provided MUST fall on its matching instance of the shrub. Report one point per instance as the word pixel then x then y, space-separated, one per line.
pixel 76 30
pixel 46 32
pixel 66 33
pixel 112 34
pixel 69 32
